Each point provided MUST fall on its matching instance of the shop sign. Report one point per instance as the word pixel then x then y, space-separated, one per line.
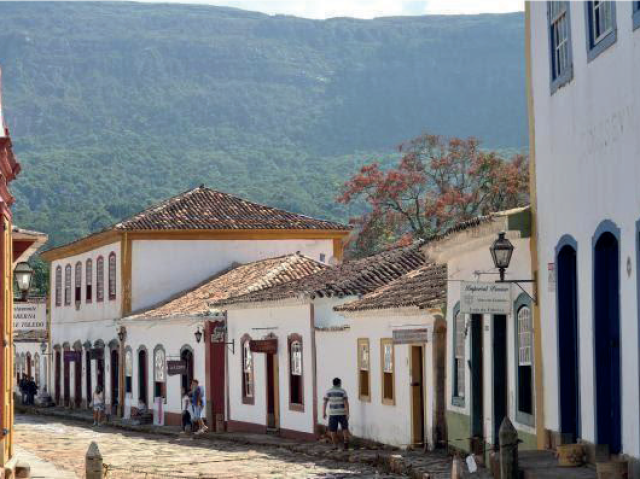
pixel 485 298
pixel 269 346
pixel 409 336
pixel 29 316
pixel 72 356
pixel 175 368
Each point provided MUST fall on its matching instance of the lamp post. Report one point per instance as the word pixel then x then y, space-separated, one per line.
pixel 501 252
pixel 23 274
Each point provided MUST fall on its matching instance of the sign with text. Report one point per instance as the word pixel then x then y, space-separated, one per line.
pixel 72 356
pixel 175 368
pixel 485 298
pixel 269 346
pixel 29 316
pixel 409 336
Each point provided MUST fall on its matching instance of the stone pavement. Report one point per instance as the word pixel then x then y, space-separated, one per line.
pixel 41 469
pixel 414 464
pixel 134 455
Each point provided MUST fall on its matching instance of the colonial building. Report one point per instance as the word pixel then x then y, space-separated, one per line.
pixel 490 365
pixel 14 247
pixel 143 260
pixel 583 74
pixel 290 343
pixel 180 332
pixel 394 351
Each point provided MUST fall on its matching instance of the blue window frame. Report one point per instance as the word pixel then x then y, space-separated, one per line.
pixel 636 15
pixel 459 357
pixel 601 27
pixel 560 53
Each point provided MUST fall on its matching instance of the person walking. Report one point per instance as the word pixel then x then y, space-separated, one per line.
pixel 32 390
pixel 186 415
pixel 98 406
pixel 197 405
pixel 338 402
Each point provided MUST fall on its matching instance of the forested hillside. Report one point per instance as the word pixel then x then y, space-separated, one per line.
pixel 114 105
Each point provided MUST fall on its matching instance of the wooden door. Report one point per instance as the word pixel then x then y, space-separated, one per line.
pixel 477 386
pixel 6 299
pixel 273 412
pixel 115 380
pixel 78 380
pixel 417 395
pixel 499 375
pixel 67 381
pixel 143 381
pixel 89 390
pixel 57 377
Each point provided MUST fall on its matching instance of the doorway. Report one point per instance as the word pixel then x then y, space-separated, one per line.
pixel 272 392
pixel 417 396
pixel 29 366
pixel 143 397
pixel 186 355
pixel 477 386
pixel 57 377
pixel 67 380
pixel 607 342
pixel 78 380
pixel 115 380
pixel 568 351
pixel 89 389
pixel 499 375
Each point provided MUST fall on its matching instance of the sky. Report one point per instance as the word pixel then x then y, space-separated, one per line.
pixel 364 8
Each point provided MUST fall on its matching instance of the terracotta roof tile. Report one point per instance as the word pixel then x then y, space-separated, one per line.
pixel 354 277
pixel 233 282
pixel 206 209
pixel 424 287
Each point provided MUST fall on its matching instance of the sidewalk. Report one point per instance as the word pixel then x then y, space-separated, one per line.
pixel 415 464
pixel 41 469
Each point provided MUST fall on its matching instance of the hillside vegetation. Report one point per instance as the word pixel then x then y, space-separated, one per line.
pixel 114 105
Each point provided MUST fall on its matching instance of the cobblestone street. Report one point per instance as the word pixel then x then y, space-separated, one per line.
pixel 63 444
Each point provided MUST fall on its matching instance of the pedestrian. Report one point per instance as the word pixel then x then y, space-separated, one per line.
pixel 338 402
pixel 197 405
pixel 186 415
pixel 32 390
pixel 98 406
pixel 23 389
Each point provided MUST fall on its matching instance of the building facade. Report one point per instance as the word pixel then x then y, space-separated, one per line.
pixel 144 261
pixel 583 75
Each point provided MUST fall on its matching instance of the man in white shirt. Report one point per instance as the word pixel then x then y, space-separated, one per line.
pixel 338 402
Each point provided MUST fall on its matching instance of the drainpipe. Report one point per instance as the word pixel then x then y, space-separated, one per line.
pixel 533 244
pixel 312 325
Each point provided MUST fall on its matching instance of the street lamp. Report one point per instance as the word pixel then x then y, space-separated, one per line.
pixel 501 251
pixel 43 347
pixel 122 334
pixel 23 273
pixel 198 335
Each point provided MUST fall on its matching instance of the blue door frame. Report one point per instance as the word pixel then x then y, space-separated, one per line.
pixel 606 302
pixel 568 342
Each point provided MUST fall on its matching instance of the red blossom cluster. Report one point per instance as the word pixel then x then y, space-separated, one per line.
pixel 438 182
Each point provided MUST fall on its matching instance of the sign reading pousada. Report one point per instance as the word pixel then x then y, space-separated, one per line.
pixel 29 316
pixel 485 298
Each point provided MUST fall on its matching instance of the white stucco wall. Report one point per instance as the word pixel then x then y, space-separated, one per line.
pixel 162 268
pixel 337 353
pixel 462 267
pixel 587 151
pixel 280 319
pixel 173 336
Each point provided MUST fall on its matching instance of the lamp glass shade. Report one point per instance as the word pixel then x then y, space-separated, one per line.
pixel 501 251
pixel 23 274
pixel 198 335
pixel 43 347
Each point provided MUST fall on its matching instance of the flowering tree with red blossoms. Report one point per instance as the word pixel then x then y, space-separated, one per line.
pixel 438 182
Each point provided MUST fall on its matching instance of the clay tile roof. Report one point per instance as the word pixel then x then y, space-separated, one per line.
pixel 424 287
pixel 205 209
pixel 356 277
pixel 233 282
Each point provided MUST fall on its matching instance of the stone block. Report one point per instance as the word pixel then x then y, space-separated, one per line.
pixel 22 470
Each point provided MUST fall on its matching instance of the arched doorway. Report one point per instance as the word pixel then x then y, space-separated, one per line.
pixel 606 278
pixel 66 360
pixel 186 355
pixel 57 376
pixel 568 350
pixel 89 386
pixel 29 370
pixel 115 380
pixel 77 375
pixel 143 375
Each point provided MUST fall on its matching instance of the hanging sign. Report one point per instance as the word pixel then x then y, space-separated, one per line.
pixel 408 336
pixel 29 316
pixel 72 356
pixel 485 298
pixel 175 368
pixel 269 346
